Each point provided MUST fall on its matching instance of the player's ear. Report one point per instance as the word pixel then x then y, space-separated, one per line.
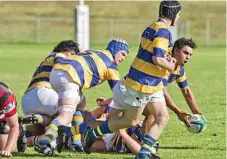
pixel 177 50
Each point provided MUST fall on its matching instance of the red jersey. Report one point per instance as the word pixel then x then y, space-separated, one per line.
pixel 7 102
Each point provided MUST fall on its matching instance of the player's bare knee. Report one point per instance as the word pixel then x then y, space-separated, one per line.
pixel 162 119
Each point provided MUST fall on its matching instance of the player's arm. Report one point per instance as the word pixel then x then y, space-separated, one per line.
pixel 130 142
pixel 163 62
pixel 187 93
pixel 182 115
pixel 103 103
pixel 113 77
pixel 160 47
pixel 100 110
pixel 190 99
pixel 13 134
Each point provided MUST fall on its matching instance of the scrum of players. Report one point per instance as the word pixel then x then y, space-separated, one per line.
pixel 56 115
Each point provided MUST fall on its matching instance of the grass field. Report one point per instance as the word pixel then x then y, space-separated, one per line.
pixel 193 20
pixel 206 75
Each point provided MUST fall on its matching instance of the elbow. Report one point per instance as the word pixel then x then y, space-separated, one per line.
pixel 185 91
pixel 15 128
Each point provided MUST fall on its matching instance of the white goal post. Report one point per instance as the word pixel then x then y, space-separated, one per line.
pixel 82 30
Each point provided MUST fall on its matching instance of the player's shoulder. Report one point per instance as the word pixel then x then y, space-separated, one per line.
pixel 3 84
pixel 182 70
pixel 157 25
pixel 5 90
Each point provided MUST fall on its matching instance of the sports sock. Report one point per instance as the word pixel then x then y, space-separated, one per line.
pixel 99 131
pixel 147 145
pixel 51 132
pixel 77 120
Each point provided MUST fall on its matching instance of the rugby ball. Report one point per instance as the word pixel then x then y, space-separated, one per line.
pixel 198 123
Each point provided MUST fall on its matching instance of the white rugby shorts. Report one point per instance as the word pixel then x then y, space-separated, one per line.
pixel 108 140
pixel 40 100
pixel 125 96
pixel 62 83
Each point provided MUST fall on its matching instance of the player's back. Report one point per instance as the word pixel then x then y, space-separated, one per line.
pixel 144 75
pixel 7 102
pixel 88 69
pixel 41 75
pixel 4 93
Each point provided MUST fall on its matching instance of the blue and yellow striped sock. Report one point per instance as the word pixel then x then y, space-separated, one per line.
pixel 51 132
pixel 99 131
pixel 70 131
pixel 77 120
pixel 147 144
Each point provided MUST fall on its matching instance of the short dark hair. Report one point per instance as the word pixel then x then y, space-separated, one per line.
pixel 67 45
pixel 180 43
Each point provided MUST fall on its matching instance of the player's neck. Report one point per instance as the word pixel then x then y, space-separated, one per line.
pixel 166 21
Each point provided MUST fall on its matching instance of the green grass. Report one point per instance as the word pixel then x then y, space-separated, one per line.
pixel 195 12
pixel 206 76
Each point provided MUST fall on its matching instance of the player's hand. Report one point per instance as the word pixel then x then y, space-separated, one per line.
pixel 103 101
pixel 5 154
pixel 140 123
pixel 168 57
pixel 183 116
pixel 172 61
pixel 100 99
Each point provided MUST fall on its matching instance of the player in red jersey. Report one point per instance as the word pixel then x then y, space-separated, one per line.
pixel 9 126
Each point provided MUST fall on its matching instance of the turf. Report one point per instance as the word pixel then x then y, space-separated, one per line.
pixel 206 76
pixel 192 22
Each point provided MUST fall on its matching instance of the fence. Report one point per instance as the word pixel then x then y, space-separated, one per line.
pixel 49 30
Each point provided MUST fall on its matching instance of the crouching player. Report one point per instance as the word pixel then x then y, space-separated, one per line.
pixel 40 100
pixel 9 127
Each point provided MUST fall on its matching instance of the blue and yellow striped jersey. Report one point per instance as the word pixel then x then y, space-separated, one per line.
pixel 119 144
pixel 89 70
pixel 179 75
pixel 144 76
pixel 41 75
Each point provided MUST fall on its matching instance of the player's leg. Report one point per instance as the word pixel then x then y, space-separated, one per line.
pixel 158 109
pixel 78 119
pixel 114 112
pixel 40 101
pixel 148 120
pixel 69 97
pixel 130 117
pixel 38 105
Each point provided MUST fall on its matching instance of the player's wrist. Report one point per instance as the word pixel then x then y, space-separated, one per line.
pixel 197 112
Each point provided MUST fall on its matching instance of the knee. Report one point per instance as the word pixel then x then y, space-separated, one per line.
pixel 162 119
pixel 65 117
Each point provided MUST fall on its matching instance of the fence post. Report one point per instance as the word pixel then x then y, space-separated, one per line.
pixel 181 29
pixel 207 32
pixel 38 22
pixel 110 27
